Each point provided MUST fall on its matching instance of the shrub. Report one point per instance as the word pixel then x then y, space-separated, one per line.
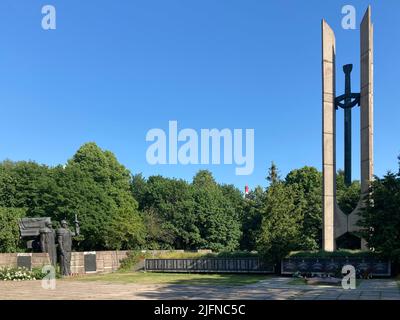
pixel 132 259
pixel 335 254
pixel 16 274
pixel 181 255
pixel 37 273
pixel 206 255
pixel 237 254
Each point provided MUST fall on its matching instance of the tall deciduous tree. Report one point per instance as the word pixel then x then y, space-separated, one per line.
pixel 9 230
pixel 93 185
pixel 307 184
pixel 216 217
pixel 107 210
pixel 252 217
pixel 202 214
pixel 347 196
pixel 281 222
pixel 171 202
pixel 380 219
pixel 24 185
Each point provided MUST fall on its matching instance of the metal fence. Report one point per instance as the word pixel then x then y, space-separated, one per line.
pixel 211 265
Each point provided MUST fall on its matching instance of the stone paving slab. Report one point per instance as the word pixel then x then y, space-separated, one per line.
pixel 272 289
pixel 348 297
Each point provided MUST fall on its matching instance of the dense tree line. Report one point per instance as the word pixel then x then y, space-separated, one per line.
pixel 92 185
pixel 380 219
pixel 119 210
pixel 201 214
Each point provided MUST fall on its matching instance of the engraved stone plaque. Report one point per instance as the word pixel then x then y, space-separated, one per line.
pixel 24 261
pixel 90 262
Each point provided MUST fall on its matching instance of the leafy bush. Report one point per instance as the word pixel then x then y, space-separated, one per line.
pixel 132 259
pixel 181 255
pixel 237 254
pixel 203 255
pixel 38 274
pixel 16 274
pixel 336 254
pixel 21 273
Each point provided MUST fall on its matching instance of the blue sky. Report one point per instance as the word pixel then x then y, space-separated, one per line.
pixel 112 70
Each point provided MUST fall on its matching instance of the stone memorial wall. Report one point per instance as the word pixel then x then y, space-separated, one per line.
pixel 373 266
pixel 81 262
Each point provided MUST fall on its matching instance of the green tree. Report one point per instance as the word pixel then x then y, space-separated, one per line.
pixel 235 197
pixel 139 189
pixel 189 216
pixel 273 174
pixel 280 227
pixel 98 188
pixel 24 185
pixel 7 184
pixel 216 217
pixel 9 228
pixel 347 196
pixel 170 201
pixel 252 218
pixel 380 219
pixel 158 235
pixel 307 184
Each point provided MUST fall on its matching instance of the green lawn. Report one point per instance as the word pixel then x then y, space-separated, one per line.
pixel 174 278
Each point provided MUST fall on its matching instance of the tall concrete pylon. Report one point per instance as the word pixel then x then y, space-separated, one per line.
pixel 335 222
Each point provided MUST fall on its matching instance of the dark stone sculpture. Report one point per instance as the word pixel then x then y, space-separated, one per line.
pixel 47 242
pixel 347 101
pixel 29 229
pixel 64 238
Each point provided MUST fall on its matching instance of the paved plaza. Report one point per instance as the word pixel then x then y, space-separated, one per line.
pixel 277 288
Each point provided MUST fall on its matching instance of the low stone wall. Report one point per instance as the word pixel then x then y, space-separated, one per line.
pixel 108 261
pixel 8 259
pixel 77 263
pixel 28 260
pixel 81 262
pixel 96 261
pixel 39 260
